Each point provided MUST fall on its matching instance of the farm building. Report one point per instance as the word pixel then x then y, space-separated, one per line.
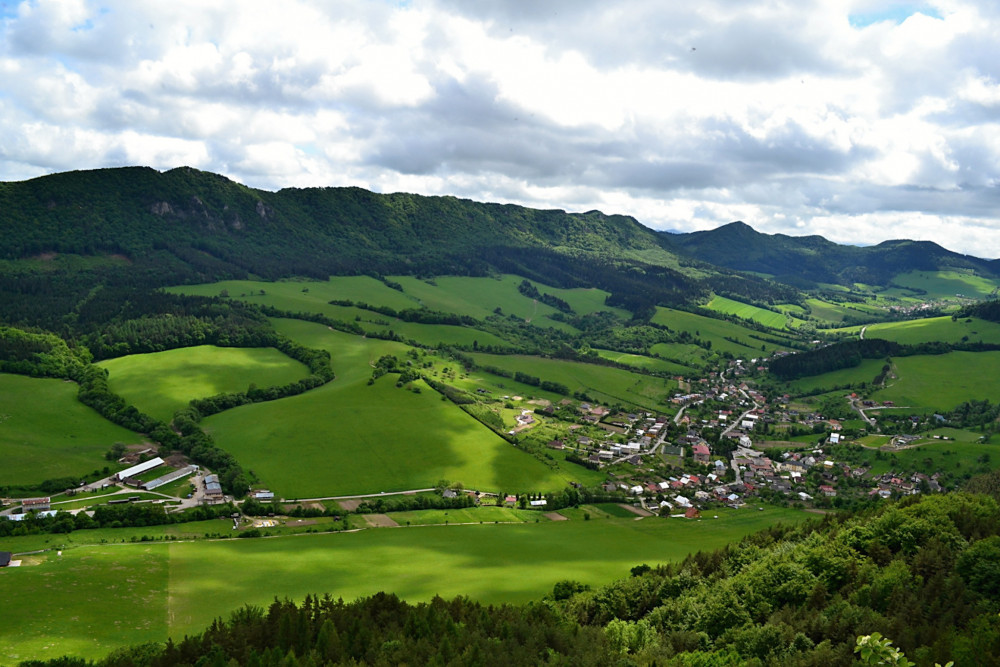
pixel 5 558
pixel 41 515
pixel 138 469
pixel 38 504
pixel 169 477
pixel 263 494
pixel 213 489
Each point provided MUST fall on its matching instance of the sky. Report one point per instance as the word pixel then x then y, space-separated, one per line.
pixel 858 120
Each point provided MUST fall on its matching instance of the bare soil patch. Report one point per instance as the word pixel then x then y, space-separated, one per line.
pixel 379 521
pixel 635 510
pixel 555 516
pixel 350 505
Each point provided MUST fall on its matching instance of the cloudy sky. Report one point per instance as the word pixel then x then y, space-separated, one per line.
pixel 860 120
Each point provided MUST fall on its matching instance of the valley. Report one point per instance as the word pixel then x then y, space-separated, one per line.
pixel 240 415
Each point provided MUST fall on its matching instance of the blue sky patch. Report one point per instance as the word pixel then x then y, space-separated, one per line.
pixel 897 13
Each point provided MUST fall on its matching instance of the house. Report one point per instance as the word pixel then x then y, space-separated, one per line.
pixel 692 513
pixel 636 490
pixel 449 493
pixel 213 489
pixel 701 453
pixel 5 558
pixel 510 500
pixel 556 444
pixel 538 503
pixel 828 491
pixel 263 494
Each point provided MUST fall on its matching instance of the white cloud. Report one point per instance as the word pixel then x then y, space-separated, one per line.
pixel 859 120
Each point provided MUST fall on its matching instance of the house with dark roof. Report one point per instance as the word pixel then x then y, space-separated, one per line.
pixel 5 558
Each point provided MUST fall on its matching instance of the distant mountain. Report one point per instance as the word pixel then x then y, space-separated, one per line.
pixel 805 260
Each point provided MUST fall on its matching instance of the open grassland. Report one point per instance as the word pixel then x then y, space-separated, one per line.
pixel 602 383
pixel 46 433
pixel 307 295
pixel 768 318
pixel 91 600
pixel 433 335
pixel 935 328
pixel 87 602
pixel 160 383
pixel 941 382
pixel 645 363
pixel 866 371
pixel 833 312
pixel 351 437
pixel 479 297
pixel 721 333
pixel 941 285
pixel 962 455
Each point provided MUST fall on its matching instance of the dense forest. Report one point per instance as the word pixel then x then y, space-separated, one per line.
pixel 924 572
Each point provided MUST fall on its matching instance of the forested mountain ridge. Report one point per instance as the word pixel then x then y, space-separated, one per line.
pixel 804 260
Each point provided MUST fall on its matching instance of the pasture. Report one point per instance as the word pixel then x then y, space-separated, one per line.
pixel 935 328
pixel 866 371
pixel 602 383
pixel 941 285
pixel 46 433
pixel 721 333
pixel 941 382
pixel 746 311
pixel 160 383
pixel 645 363
pixel 351 437
pixel 130 593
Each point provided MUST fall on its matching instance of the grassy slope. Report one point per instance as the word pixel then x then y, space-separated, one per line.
pixel 941 382
pixel 349 437
pixel 717 331
pixel 46 433
pixel 603 383
pixel 864 372
pixel 942 284
pixel 644 362
pixel 768 318
pixel 161 383
pixel 935 328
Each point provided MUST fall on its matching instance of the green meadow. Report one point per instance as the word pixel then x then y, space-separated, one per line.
pixel 350 437
pixel 160 383
pixel 643 362
pixel 866 371
pixel 602 383
pixel 941 285
pixel 768 318
pixel 721 333
pixel 941 382
pixel 832 312
pixel 935 328
pixel 93 599
pixel 45 432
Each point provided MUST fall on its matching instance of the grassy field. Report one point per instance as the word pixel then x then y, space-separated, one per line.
pixel 864 372
pixel 935 328
pixel 178 588
pixel 602 383
pixel 350 437
pixel 832 312
pixel 720 332
pixel 46 433
pixel 645 363
pixel 768 318
pixel 161 383
pixel 941 285
pixel 941 382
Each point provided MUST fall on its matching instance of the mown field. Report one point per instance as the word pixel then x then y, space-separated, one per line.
pixel 721 333
pixel 74 603
pixel 46 433
pixel 768 318
pixel 351 437
pixel 160 383
pixel 934 329
pixel 941 285
pixel 602 383
pixel 941 382
pixel 866 371
pixel 645 363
